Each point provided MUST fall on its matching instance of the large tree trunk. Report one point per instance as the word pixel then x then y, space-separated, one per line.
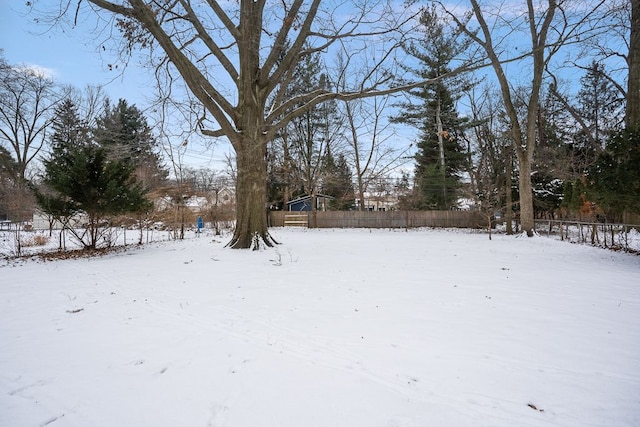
pixel 361 206
pixel 251 208
pixel 633 91
pixel 356 156
pixel 250 142
pixel 508 192
pixel 356 161
pixel 526 196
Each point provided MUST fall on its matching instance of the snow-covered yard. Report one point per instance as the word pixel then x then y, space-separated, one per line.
pixel 332 328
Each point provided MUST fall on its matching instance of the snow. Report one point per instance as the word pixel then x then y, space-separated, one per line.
pixel 331 328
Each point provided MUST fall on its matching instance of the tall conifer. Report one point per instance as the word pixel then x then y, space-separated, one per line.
pixel 441 157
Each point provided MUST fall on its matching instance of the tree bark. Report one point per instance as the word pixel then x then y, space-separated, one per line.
pixel 632 118
pixel 251 210
pixel 507 188
pixel 526 195
pixel 356 155
pixel 287 170
pixel 441 148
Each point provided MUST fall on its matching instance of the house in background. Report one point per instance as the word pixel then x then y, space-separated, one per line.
pixel 225 196
pixel 379 202
pixel 196 202
pixel 42 221
pixel 304 204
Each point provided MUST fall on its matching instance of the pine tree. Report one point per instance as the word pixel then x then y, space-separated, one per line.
pixel 124 131
pixel 9 178
pixel 83 177
pixel 441 157
pixel 599 113
pixel 8 166
pixel 69 133
pixel 614 180
pixel 69 130
pixel 600 107
pixel 549 163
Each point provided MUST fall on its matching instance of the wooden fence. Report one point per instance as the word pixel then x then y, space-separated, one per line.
pixel 389 219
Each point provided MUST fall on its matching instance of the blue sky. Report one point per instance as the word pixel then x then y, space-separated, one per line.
pixel 73 57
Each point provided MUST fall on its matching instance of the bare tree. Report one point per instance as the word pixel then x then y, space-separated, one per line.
pixel 178 189
pixel 550 25
pixel 369 145
pixel 619 46
pixel 608 53
pixel 233 58
pixel 368 136
pixel 491 162
pixel 27 100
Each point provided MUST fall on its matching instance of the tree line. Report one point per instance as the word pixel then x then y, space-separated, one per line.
pixel 575 156
pixel 305 91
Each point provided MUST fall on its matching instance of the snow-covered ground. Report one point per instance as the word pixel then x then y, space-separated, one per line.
pixel 332 328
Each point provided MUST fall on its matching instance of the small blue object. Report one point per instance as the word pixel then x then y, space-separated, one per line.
pixel 200 223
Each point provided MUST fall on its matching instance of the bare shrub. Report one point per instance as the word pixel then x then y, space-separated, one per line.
pixel 34 240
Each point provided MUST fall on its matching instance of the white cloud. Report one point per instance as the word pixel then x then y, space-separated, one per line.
pixel 38 70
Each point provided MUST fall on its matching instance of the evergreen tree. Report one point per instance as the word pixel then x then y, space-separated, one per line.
pixel 600 107
pixel 124 131
pixel 441 157
pixel 550 162
pixel 69 130
pixel 83 177
pixel 438 181
pixel 9 177
pixel 8 166
pixel 599 113
pixel 69 133
pixel 614 180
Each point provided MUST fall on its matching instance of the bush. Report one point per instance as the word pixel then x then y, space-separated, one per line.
pixel 34 240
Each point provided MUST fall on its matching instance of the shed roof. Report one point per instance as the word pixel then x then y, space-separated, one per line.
pixel 304 198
